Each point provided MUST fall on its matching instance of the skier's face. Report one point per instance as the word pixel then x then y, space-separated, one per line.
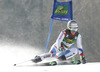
pixel 73 32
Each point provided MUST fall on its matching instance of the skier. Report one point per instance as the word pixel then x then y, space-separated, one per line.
pixel 62 48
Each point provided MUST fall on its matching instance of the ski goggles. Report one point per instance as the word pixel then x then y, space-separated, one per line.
pixel 74 29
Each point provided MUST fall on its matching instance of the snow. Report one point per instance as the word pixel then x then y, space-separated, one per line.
pixel 89 67
pixel 10 54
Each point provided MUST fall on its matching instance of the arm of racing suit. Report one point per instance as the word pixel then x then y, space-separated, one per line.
pixel 80 49
pixel 79 45
pixel 60 38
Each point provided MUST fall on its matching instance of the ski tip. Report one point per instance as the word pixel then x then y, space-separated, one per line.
pixel 14 65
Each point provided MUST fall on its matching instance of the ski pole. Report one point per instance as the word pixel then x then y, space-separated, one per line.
pixel 21 62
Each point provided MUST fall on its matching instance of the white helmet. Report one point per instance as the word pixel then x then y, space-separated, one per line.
pixel 72 25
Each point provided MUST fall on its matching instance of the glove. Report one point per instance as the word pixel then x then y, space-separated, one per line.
pixel 61 49
pixel 83 60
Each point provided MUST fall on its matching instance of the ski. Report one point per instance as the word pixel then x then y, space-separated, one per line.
pixel 54 63
pixel 51 63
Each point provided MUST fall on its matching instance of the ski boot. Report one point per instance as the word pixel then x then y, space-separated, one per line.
pixel 36 59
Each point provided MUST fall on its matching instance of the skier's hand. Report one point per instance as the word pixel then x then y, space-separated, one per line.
pixel 83 60
pixel 61 49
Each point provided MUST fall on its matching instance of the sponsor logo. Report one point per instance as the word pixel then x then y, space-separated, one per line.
pixel 61 10
pixel 69 41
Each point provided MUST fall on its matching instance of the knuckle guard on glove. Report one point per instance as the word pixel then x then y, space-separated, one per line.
pixel 61 49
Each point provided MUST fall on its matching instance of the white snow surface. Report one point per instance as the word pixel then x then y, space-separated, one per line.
pixel 11 54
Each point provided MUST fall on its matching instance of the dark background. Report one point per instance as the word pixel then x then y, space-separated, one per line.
pixel 28 22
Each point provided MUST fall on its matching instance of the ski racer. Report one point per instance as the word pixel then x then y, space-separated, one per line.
pixel 62 48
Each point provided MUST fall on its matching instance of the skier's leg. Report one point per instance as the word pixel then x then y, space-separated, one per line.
pixel 72 52
pixel 53 50
pixel 67 54
pixel 40 58
pixel 51 53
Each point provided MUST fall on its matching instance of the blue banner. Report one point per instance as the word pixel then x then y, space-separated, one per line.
pixel 62 11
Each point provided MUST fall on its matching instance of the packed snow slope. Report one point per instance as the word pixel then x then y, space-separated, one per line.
pixel 19 54
pixel 27 22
